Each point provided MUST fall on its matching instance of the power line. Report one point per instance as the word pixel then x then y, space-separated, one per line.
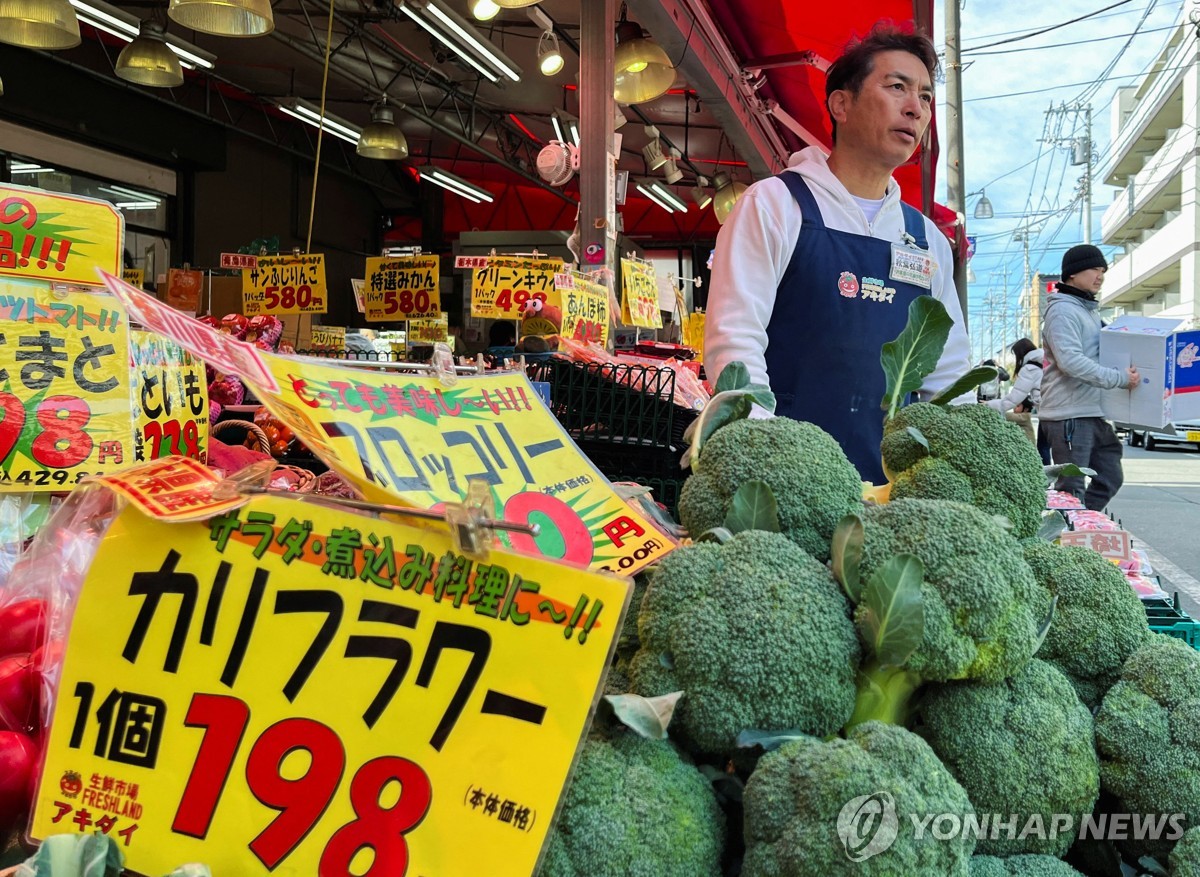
pixel 1043 30
pixel 1115 36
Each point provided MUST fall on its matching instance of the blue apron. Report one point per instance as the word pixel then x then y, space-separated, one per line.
pixel 834 310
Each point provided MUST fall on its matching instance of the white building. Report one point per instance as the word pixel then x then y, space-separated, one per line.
pixel 1154 159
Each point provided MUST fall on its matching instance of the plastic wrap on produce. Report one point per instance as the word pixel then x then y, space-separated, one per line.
pixel 1145 587
pixel 1138 563
pixel 1057 499
pixel 22 515
pixel 1084 519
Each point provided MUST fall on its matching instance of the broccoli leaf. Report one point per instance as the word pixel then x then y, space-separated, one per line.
pixel 734 376
pixel 846 554
pixel 753 508
pixel 646 716
pixel 717 534
pixel 981 374
pixel 1053 523
pixel 1067 470
pixel 916 351
pixel 918 437
pixel 1045 628
pixel 894 621
pixel 723 408
pixel 768 741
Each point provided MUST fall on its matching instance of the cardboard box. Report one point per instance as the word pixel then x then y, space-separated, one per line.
pixel 1169 367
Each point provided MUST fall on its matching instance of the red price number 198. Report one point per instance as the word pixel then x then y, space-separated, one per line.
pixel 302 800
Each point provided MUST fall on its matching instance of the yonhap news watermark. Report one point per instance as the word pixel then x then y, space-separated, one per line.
pixel 869 825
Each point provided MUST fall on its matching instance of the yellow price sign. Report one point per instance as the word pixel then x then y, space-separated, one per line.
pixel 170 396
pixel 410 439
pixel 429 330
pixel 285 285
pixel 693 334
pixel 134 277
pixel 65 401
pixel 585 311
pixel 291 689
pixel 502 289
pixel 402 288
pixel 61 238
pixel 329 337
pixel 639 295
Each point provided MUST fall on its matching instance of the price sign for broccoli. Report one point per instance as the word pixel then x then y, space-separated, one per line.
pixel 402 288
pixel 285 285
pixel 294 690
pixel 505 286
pixel 64 375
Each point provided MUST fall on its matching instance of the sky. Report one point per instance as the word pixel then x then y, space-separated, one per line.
pixel 1030 182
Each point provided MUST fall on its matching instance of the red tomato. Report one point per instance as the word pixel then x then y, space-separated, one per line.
pixel 20 685
pixel 48 658
pixel 17 758
pixel 22 627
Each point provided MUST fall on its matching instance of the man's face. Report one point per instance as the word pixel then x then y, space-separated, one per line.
pixel 1089 281
pixel 889 115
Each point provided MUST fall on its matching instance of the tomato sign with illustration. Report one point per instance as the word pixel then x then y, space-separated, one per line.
pixel 502 289
pixel 64 386
pixel 170 396
pixel 293 284
pixel 294 690
pixel 639 295
pixel 402 288
pixel 59 238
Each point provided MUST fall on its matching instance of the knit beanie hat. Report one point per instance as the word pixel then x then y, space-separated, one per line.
pixel 1080 258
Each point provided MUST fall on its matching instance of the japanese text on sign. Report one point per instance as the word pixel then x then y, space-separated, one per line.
pixel 402 288
pixel 64 367
pixel 171 489
pixel 62 238
pixel 232 641
pixel 585 312
pixel 505 286
pixel 639 295
pixel 238 260
pixel 134 277
pixel 1112 544
pixel 329 337
pixel 170 395
pixel 285 285
pixel 429 330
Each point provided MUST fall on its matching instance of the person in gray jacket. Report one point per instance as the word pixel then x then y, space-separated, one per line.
pixel 1073 382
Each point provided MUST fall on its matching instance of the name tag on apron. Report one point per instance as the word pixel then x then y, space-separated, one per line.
pixel 911 265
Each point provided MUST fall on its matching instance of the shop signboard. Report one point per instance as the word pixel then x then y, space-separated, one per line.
pixel 328 338
pixel 170 397
pixel 292 284
pixel 584 309
pixel 64 369
pixel 289 689
pixel 502 289
pixel 238 260
pixel 134 277
pixel 1113 545
pixel 402 288
pixel 414 440
pixel 59 238
pixel 639 295
pixel 429 330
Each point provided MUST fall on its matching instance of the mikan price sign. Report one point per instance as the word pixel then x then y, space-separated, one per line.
pixel 402 288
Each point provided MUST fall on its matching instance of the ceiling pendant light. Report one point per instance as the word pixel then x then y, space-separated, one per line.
pixel 515 4
pixel 642 70
pixel 148 60
pixel 726 196
pixel 382 139
pixel 483 10
pixel 549 55
pixel 39 24
pixel 223 18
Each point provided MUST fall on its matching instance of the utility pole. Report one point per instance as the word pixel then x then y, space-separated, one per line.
pixel 956 185
pixel 1087 178
pixel 1081 154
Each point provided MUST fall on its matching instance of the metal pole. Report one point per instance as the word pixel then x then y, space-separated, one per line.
pixel 597 167
pixel 956 186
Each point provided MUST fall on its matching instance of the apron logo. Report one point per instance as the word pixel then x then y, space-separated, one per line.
pixel 848 285
pixel 874 290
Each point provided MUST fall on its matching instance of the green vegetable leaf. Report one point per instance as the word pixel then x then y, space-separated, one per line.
pixel 646 716
pixel 918 437
pixel 727 786
pixel 753 508
pixel 1150 865
pixel 1053 523
pixel 761 394
pixel 768 741
pixel 723 408
pixel 981 374
pixel 915 352
pixel 1067 470
pixel 717 534
pixel 1045 628
pixel 77 855
pixel 734 376
pixel 846 551
pixel 894 621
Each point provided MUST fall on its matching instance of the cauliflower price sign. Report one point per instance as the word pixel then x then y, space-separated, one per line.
pixel 639 295
pixel 61 238
pixel 402 288
pixel 503 288
pixel 64 371
pixel 297 690
pixel 285 285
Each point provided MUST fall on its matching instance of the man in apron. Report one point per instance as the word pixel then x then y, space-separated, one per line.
pixel 815 268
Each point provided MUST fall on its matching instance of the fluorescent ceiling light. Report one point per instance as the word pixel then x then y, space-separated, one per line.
pixel 311 115
pixel 662 196
pixel 26 168
pixel 654 195
pixel 566 127
pixel 455 184
pixel 459 36
pixel 122 25
pixel 137 205
pixel 130 193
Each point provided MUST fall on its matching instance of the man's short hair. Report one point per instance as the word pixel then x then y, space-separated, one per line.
pixel 851 70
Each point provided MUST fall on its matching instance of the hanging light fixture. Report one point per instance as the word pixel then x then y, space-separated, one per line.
pixel 983 209
pixel 39 24
pixel 224 18
pixel 483 10
pixel 550 59
pixel 727 195
pixel 516 4
pixel 642 69
pixel 700 193
pixel 382 139
pixel 148 60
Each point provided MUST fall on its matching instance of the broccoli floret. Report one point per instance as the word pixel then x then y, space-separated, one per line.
pixel 1021 866
pixel 1025 747
pixel 1185 858
pixel 635 808
pixel 974 455
pixel 1099 621
pixel 1148 736
pixel 982 607
pixel 813 482
pixel 802 817
pixel 756 633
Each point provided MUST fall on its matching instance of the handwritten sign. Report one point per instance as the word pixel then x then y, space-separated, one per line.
pixel 501 290
pixel 64 370
pixel 429 330
pixel 639 295
pixel 60 238
pixel 402 288
pixel 204 709
pixel 329 337
pixel 585 311
pixel 1113 544
pixel 170 396
pixel 285 285
pixel 134 277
